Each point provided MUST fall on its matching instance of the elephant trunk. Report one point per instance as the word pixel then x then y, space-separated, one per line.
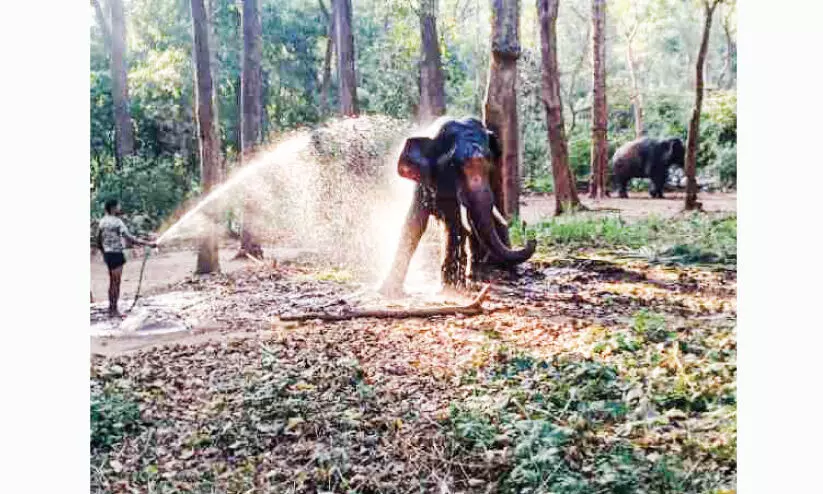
pixel 480 204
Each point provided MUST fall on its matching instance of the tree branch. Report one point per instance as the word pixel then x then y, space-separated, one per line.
pixel 473 308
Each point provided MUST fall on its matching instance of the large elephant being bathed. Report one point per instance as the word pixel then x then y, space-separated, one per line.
pixel 453 163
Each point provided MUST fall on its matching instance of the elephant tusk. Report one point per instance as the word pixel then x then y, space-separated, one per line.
pixel 499 216
pixel 464 218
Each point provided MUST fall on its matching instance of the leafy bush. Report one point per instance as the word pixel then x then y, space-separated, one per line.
pixel 113 417
pixel 148 190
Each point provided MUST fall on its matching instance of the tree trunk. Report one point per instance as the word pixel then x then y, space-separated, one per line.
pixel 326 82
pixel 432 91
pixel 636 97
pixel 565 190
pixel 251 97
pixel 104 25
pixel 694 124
pixel 123 131
pixel 344 44
pixel 207 258
pixel 600 146
pixel 501 103
pixel 215 70
pixel 729 72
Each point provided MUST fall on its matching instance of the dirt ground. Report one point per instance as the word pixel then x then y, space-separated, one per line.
pixel 639 205
pixel 169 267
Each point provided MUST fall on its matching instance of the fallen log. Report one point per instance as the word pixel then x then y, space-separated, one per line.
pixel 473 308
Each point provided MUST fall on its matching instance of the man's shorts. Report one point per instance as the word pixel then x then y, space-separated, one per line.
pixel 114 259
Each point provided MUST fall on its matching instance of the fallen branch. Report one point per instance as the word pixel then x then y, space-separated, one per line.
pixel 473 308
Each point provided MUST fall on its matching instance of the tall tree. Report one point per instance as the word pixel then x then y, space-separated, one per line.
pixel 325 84
pixel 636 97
pixel 501 102
pixel 728 74
pixel 207 256
pixel 600 146
pixel 694 124
pixel 251 99
pixel 123 131
pixel 215 71
pixel 344 44
pixel 432 91
pixel 565 189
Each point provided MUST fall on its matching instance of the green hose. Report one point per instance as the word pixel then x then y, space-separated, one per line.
pixel 147 252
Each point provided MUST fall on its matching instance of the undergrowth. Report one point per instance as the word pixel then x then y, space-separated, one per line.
pixel 642 408
pixel 694 239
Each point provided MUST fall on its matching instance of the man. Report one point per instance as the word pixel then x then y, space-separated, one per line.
pixel 110 235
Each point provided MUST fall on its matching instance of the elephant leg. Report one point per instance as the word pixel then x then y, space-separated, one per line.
pixel 453 269
pixel 656 185
pixel 416 221
pixel 624 187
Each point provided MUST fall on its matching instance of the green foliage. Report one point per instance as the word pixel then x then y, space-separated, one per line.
pixel 559 417
pixel 113 417
pixel 696 238
pixel 387 50
pixel 152 188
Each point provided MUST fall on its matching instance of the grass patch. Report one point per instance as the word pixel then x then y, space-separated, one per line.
pixel 693 239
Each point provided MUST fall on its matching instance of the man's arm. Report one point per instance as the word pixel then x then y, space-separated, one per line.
pixel 99 239
pixel 125 231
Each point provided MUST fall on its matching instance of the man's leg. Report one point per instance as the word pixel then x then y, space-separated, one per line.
pixel 114 289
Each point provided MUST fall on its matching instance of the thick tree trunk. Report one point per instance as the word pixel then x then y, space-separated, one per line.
pixel 325 84
pixel 207 258
pixel 344 44
pixel 600 146
pixel 501 103
pixel 432 91
pixel 123 131
pixel 694 123
pixel 251 97
pixel 636 97
pixel 565 190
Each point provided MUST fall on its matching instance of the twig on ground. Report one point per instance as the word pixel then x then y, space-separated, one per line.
pixel 473 308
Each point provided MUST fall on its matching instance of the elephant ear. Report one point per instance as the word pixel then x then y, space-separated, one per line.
pixel 494 146
pixel 414 162
pixel 677 152
pixel 420 157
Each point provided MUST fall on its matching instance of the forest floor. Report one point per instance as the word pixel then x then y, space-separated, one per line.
pixel 606 364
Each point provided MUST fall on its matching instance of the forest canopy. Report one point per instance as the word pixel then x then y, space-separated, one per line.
pixel 163 170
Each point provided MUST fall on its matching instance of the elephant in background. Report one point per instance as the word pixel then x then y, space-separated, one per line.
pixel 453 162
pixel 646 158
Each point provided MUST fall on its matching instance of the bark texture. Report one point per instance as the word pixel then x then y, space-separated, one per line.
pixel 344 44
pixel 694 124
pixel 565 190
pixel 636 97
pixel 600 146
pixel 325 84
pixel 207 258
pixel 501 103
pixel 123 131
pixel 432 90
pixel 251 97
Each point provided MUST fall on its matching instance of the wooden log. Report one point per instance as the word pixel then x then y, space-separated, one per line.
pixel 473 308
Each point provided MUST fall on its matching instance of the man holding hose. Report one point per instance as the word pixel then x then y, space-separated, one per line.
pixel 110 235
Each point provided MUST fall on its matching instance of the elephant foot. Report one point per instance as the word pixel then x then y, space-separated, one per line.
pixel 624 196
pixel 391 291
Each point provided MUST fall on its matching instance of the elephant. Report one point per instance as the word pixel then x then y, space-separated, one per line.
pixel 454 162
pixel 646 158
